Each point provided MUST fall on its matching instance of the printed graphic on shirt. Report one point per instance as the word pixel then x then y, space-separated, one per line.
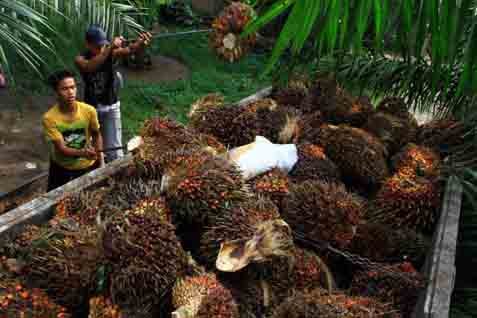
pixel 75 138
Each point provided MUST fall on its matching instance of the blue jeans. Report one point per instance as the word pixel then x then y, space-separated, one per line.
pixel 110 121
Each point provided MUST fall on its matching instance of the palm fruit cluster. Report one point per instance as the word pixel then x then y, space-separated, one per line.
pixel 196 191
pixel 442 135
pixel 313 164
pixel 319 210
pixel 422 160
pixel 273 184
pixel 225 37
pixel 360 156
pixel 395 106
pixel 144 254
pixel 279 125
pixel 238 224
pixel 65 264
pixel 203 296
pixel 293 92
pixel 18 301
pixel 407 200
pixel 101 307
pixel 394 132
pixel 310 271
pixel 401 290
pixel 387 244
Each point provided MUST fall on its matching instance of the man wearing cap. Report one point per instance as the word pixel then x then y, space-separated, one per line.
pixel 97 66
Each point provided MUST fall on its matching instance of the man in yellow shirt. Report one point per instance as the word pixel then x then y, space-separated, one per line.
pixel 72 131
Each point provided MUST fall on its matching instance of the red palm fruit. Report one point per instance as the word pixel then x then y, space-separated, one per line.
pixel 421 159
pixel 273 184
pixel 407 200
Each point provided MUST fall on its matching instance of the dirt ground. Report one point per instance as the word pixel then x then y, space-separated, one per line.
pixel 23 151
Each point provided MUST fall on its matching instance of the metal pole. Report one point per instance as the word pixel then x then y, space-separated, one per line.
pixel 174 34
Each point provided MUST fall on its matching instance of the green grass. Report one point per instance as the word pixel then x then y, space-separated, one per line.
pixel 208 74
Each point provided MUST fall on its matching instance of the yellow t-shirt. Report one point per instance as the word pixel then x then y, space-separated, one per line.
pixel 74 130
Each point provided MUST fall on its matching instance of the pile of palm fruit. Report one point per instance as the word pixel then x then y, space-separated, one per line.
pixel 180 232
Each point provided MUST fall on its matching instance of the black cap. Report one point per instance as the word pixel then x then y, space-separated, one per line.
pixel 96 35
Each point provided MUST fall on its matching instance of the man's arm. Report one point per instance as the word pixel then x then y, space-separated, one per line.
pixel 138 45
pixel 91 65
pixel 98 146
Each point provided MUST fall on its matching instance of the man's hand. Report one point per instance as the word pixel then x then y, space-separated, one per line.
pixel 90 153
pixel 145 38
pixel 118 42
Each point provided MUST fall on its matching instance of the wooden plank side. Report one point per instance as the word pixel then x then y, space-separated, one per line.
pixel 40 208
pixel 440 265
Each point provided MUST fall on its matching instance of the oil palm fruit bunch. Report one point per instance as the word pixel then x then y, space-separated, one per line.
pixel 309 125
pixel 225 123
pixel 280 125
pixel 423 160
pixel 144 256
pixel 293 92
pixel 359 112
pixel 238 224
pixel 442 135
pixel 395 106
pixel 65 265
pixel 273 184
pixel 322 93
pixel 225 37
pixel 17 301
pixel 306 304
pixel 197 191
pixel 319 210
pixel 219 304
pixel 360 156
pixel 386 244
pixel 313 164
pixel 357 307
pixel 310 271
pixel 398 285
pixel 101 307
pixel 82 207
pixel 394 132
pixel 203 296
pixel 407 200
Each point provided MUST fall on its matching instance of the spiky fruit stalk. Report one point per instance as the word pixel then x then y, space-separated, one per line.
pixel 18 301
pixel 401 291
pixel 205 103
pixel 360 156
pixel 101 307
pixel 145 257
pixel 407 200
pixel 273 184
pixel 394 244
pixel 225 38
pixel 323 211
pixel 196 188
pixel 65 265
pixel 423 160
pixel 393 131
pixel 313 164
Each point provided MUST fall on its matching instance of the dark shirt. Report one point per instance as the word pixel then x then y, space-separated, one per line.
pixel 100 85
